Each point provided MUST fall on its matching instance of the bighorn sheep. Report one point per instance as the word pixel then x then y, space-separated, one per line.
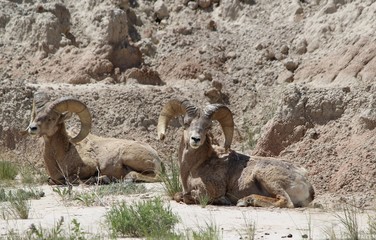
pixel 225 176
pixel 86 156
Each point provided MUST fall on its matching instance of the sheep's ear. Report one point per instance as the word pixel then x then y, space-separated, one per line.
pixel 181 120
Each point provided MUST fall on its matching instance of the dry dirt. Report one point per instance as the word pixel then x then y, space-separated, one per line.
pixel 231 222
pixel 299 77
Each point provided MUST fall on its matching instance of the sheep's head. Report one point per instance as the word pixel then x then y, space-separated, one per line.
pixel 46 120
pixel 196 123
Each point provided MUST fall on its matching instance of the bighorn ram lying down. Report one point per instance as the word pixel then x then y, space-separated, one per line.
pixel 86 157
pixel 225 176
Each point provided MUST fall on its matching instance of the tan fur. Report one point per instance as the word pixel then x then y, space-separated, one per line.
pixel 233 178
pixel 94 157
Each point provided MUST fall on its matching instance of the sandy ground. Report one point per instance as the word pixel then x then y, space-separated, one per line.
pixel 271 223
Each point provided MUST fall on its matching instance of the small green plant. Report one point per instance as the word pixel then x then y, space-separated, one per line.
pixel 330 233
pixel 21 207
pixel 64 192
pixel 8 170
pixel 41 233
pixel 148 219
pixel 250 230
pixel 20 193
pixel 58 232
pixel 93 196
pixel 19 202
pixel 251 141
pixel 349 220
pixel 13 235
pixel 31 175
pixel 75 232
pixel 210 232
pixel 171 178
pixel 120 188
pixel 17 208
pixel 204 200
pixel 88 198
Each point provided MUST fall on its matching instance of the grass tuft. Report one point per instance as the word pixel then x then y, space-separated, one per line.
pixel 120 188
pixel 349 220
pixel 148 219
pixel 19 202
pixel 210 232
pixel 8 170
pixel 170 176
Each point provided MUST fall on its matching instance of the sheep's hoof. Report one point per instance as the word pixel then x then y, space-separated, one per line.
pixel 242 204
pixel 222 201
pixel 104 179
pixel 178 197
pixel 247 201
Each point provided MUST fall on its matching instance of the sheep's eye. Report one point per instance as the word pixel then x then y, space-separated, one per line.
pixel 51 119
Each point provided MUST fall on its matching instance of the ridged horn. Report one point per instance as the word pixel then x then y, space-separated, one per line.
pixel 224 116
pixel 171 109
pixel 68 104
pixel 33 112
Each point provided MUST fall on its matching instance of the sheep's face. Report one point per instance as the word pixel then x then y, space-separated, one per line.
pixel 45 124
pixel 195 132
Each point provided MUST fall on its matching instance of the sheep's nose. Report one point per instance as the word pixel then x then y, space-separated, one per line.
pixel 195 139
pixel 32 128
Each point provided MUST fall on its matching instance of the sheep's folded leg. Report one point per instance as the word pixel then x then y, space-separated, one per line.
pixel 255 200
pixel 222 201
pixel 178 197
pixel 71 180
pixel 102 179
pixel 187 198
pixel 139 177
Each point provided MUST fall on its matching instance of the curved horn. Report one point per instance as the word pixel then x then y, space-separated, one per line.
pixel 172 109
pixel 224 116
pixel 68 104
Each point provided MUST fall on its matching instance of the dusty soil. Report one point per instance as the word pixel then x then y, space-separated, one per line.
pixel 231 222
pixel 299 76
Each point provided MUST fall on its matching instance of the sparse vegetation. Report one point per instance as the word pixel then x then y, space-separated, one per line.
pixel 170 176
pixel 64 192
pixel 250 137
pixel 349 220
pixel 18 208
pixel 93 196
pixel 120 188
pixel 148 219
pixel 250 230
pixel 8 170
pixel 210 232
pixel 26 172
pixel 204 200
pixel 18 202
pixel 31 175
pixel 87 198
pixel 7 195
pixel 58 232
